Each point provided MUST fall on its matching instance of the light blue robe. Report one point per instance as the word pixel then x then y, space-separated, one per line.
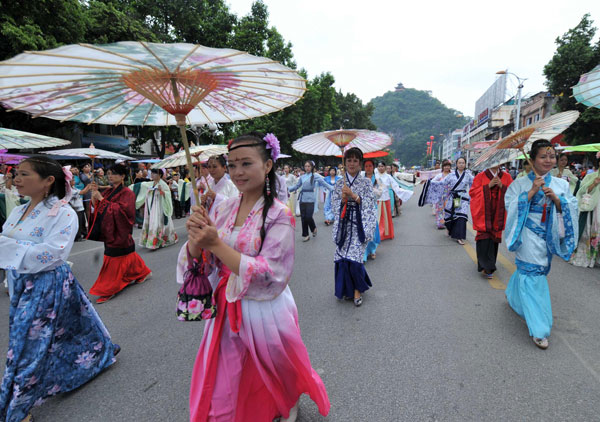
pixel 534 242
pixel 327 210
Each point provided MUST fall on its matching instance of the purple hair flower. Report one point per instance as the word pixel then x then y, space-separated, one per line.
pixel 273 145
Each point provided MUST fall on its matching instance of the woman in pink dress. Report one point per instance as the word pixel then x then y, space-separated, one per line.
pixel 252 364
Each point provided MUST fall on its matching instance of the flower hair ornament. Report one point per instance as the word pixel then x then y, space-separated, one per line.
pixel 273 145
pixel 69 192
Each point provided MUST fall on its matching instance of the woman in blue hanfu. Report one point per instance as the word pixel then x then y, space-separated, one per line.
pixel 354 205
pixel 56 340
pixel 542 221
pixel 454 191
pixel 331 178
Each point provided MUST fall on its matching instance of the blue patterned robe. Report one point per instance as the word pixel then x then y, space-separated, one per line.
pixel 327 210
pixel 352 234
pixel 57 342
pixel 534 242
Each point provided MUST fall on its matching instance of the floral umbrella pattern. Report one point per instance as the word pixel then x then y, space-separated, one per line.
pixel 200 153
pixel 123 83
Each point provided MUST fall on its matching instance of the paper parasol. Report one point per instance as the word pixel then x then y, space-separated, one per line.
pixel 138 83
pixel 16 139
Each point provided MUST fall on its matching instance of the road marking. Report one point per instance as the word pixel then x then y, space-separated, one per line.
pixel 579 358
pixel 494 281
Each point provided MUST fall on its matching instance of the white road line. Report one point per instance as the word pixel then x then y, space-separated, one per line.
pixel 579 358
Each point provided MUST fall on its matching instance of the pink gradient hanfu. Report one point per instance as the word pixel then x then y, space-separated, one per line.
pixel 252 363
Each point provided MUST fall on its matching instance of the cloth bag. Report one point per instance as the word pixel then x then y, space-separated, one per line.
pixel 195 300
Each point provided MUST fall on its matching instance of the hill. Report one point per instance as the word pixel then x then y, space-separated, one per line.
pixel 412 116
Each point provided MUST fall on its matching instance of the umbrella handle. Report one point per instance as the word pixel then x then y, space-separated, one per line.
pixel 188 157
pixel 529 161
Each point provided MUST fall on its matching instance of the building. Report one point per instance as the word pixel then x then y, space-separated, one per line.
pixel 451 145
pixel 536 108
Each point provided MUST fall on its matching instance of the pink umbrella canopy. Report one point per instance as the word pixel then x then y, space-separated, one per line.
pixel 335 142
pixel 6 158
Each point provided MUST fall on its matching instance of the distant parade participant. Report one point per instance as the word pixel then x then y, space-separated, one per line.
pixel 290 181
pixel 158 230
pixel 489 215
pixel 56 341
pixel 541 222
pixel 439 205
pixel 220 187
pixel 184 191
pixel 252 364
pixel 309 182
pixel 354 206
pixel 370 251
pixel 562 172
pixel 330 179
pixel 112 223
pixel 454 190
pixel 388 187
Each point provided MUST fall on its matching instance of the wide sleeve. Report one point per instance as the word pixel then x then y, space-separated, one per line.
pixel 28 257
pixel 564 230
pixel 336 203
pixel 269 272
pixel 517 210
pixel 368 210
pixel 296 186
pixel 588 203
pixel 118 218
pixel 403 194
pixel 320 180
pixel 141 191
pixel 166 200
pixel 433 192
pixel 477 202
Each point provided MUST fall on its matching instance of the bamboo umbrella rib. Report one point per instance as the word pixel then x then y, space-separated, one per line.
pixel 67 95
pixel 130 111
pixel 39 75
pixel 214 95
pixel 55 82
pixel 45 91
pixel 253 99
pixel 51 110
pixel 204 113
pixel 224 105
pixel 259 71
pixel 192 51
pixel 585 90
pixel 218 111
pixel 265 89
pixel 106 112
pixel 123 56
pixel 158 59
pixel 261 95
pixel 236 53
pixel 84 109
pixel 64 56
pixel 273 77
pixel 79 66
pixel 228 65
pixel 148 114
pixel 269 90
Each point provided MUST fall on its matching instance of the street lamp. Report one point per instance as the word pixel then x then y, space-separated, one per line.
pixel 520 87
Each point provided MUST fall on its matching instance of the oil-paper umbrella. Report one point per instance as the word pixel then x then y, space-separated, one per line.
pixel 199 153
pixel 16 139
pixel 6 158
pixel 587 90
pixel 137 83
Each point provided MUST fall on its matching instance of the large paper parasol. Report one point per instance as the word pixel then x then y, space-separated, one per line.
pixel 199 154
pixel 334 142
pixel 587 90
pixel 582 148
pixel 510 147
pixel 376 154
pixel 137 83
pixel 16 139
pixel 6 158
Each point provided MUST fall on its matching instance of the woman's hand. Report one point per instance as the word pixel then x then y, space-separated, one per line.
pixel 202 233
pixel 553 197
pixel 538 182
pixel 97 196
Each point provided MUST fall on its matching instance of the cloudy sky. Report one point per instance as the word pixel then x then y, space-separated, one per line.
pixel 452 48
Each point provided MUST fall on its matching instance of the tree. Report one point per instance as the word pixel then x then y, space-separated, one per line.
pixel 575 54
pixel 106 23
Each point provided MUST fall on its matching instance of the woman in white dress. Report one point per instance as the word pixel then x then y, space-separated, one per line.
pixel 158 230
pixel 220 186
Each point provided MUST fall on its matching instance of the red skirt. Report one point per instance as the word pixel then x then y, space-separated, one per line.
pixel 118 272
pixel 386 225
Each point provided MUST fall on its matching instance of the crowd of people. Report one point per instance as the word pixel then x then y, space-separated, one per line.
pixel 546 210
pixel 252 363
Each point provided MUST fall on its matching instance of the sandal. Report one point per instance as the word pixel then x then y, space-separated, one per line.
pixel 358 301
pixel 28 418
pixel 144 279
pixel 306 239
pixel 542 343
pixel 460 241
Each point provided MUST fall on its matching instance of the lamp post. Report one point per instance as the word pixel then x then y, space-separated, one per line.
pixel 519 88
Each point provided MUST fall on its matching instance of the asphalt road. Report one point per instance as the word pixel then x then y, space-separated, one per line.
pixel 433 340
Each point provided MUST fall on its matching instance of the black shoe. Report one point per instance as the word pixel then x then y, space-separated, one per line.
pixel 117 349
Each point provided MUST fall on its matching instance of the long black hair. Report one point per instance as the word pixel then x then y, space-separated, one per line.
pixel 537 146
pixel 46 167
pixel 256 140
pixel 312 171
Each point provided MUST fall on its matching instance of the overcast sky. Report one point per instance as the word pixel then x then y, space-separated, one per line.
pixel 452 48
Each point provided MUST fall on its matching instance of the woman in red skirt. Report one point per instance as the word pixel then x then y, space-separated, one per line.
pixel 112 223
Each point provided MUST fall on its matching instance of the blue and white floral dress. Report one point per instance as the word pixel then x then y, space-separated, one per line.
pixel 535 232
pixel 57 341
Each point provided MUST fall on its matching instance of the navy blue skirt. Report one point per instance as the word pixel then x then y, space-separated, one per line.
pixel 350 276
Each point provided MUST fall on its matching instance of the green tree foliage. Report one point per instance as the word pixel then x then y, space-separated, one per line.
pixel 575 54
pixel 411 117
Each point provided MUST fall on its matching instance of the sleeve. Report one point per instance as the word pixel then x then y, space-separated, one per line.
pixel 141 194
pixel 336 203
pixel 323 183
pixel 296 186
pixel 167 203
pixel 588 203
pixel 271 269
pixel 559 244
pixel 28 257
pixel 433 192
pixel 517 210
pixel 118 218
pixel 477 203
pixel 368 208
